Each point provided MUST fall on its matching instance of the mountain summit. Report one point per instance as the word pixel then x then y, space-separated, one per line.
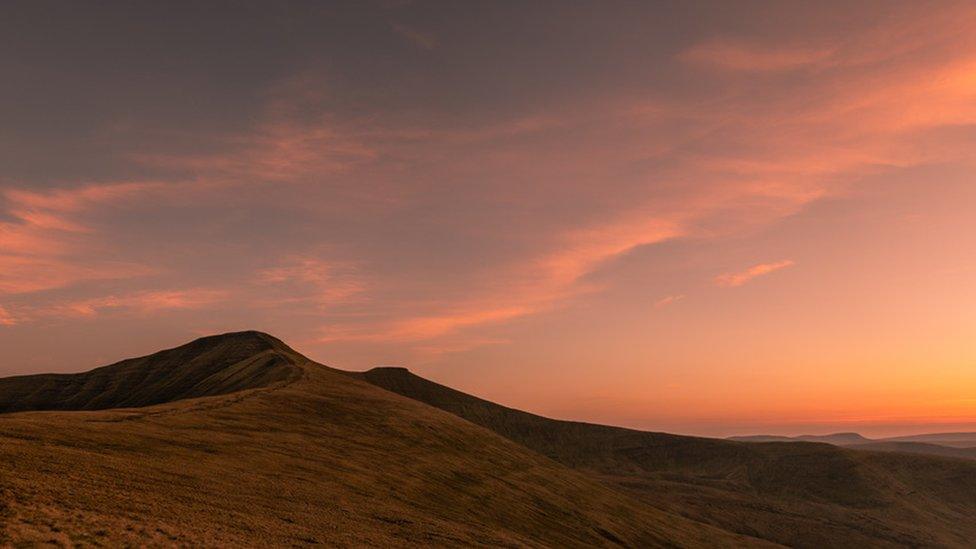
pixel 208 366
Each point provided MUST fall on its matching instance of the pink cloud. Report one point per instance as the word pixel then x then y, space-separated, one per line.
pixel 73 199
pixel 764 161
pixel 139 302
pixel 312 279
pixel 19 275
pixel 732 280
pixel 6 319
pixel 668 300
pixel 741 56
pixel 679 168
pixel 45 244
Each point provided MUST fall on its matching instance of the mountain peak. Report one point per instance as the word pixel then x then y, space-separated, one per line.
pixel 400 369
pixel 207 366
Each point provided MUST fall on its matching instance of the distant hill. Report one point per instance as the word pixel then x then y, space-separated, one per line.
pixel 958 440
pixel 253 445
pixel 917 448
pixel 839 439
pixel 795 493
pixel 958 445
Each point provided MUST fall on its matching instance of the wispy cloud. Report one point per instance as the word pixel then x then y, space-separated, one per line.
pixel 6 319
pixel 732 280
pixel 668 300
pixel 140 303
pixel 150 301
pixel 735 55
pixel 45 243
pixel 749 154
pixel 423 40
pixel 311 279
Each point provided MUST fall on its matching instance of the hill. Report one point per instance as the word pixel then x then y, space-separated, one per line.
pixel 957 440
pixel 238 440
pixel 206 367
pixel 797 493
pixel 917 448
pixel 958 445
pixel 838 439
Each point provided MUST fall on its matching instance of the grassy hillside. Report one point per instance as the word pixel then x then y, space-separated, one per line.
pixel 799 493
pixel 301 455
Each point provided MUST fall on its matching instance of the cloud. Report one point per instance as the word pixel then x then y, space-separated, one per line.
pixel 423 40
pixel 6 319
pixel 668 300
pixel 732 280
pixel 45 243
pixel 566 189
pixel 144 302
pixel 279 151
pixel 741 56
pixel 312 279
pixel 22 275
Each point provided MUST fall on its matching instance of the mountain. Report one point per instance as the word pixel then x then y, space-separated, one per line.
pixel 917 448
pixel 206 367
pixel 957 440
pixel 237 440
pixel 958 445
pixel 793 493
pixel 839 439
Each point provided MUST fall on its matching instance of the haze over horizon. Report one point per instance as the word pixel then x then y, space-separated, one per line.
pixel 701 218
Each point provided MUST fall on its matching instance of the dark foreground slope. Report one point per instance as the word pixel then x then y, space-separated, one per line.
pixel 301 454
pixel 799 494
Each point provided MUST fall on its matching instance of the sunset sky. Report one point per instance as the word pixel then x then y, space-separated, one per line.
pixel 712 218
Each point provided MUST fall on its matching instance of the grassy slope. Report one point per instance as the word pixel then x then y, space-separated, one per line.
pixel 313 458
pixel 801 494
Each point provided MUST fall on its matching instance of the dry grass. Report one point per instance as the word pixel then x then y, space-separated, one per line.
pixel 313 458
pixel 798 494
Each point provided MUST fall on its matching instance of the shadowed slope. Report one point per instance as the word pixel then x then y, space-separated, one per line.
pixel 958 445
pixel 798 493
pixel 917 448
pixel 206 367
pixel 318 459
pixel 957 440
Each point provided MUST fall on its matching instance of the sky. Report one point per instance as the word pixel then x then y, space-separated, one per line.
pixel 713 218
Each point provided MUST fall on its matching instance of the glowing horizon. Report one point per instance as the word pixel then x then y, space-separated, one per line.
pixel 700 218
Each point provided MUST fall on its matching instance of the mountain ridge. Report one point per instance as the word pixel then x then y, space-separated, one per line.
pixel 319 458
pixel 387 458
pixel 796 493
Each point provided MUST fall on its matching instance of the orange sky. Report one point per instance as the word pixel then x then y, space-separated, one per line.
pixel 710 218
